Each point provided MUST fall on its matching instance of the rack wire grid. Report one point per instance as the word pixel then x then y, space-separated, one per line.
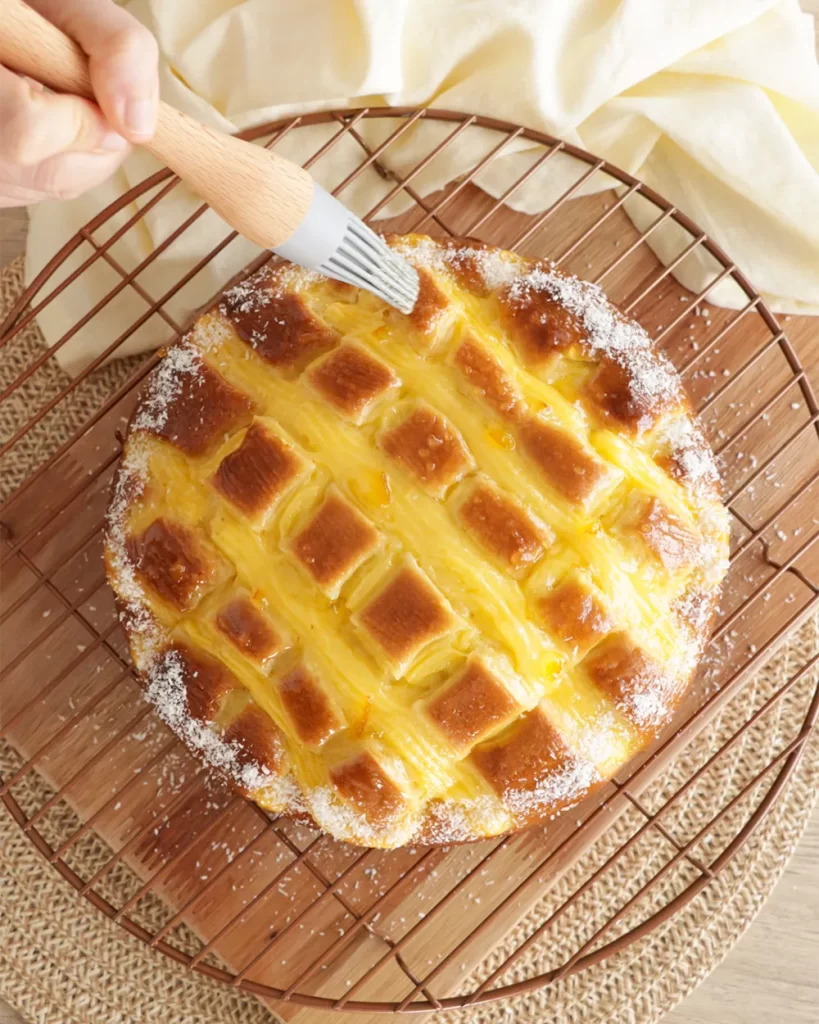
pixel 127 816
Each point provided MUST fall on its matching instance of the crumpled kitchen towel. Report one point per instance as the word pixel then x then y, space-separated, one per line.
pixel 713 104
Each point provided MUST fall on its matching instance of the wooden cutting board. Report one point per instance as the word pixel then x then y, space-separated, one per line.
pixel 314 892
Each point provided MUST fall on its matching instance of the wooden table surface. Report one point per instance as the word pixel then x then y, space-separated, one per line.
pixel 772 974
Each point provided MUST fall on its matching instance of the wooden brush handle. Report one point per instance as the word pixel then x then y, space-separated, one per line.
pixel 262 195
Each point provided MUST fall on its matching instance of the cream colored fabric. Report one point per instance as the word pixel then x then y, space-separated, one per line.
pixel 715 105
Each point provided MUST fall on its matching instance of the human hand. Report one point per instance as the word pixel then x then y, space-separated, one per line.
pixel 56 146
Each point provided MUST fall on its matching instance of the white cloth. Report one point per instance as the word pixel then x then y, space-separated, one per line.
pixel 713 104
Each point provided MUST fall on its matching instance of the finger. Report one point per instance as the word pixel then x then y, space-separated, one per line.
pixel 64 176
pixel 122 60
pixel 68 175
pixel 36 124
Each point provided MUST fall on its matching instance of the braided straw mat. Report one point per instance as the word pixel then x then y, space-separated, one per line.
pixel 62 962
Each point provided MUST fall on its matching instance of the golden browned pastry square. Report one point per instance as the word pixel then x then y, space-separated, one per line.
pixel 404 615
pixel 472 704
pixel 177 563
pixel 314 715
pixel 256 475
pixel 334 542
pixel 502 525
pixel 429 448
pixel 574 614
pixel 352 380
pixel 248 628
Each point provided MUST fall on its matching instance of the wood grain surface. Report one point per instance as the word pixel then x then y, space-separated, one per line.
pixel 773 972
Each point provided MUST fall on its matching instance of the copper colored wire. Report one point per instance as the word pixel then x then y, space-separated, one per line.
pixel 373 155
pixel 64 673
pixel 544 158
pixel 624 255
pixel 759 530
pixel 718 337
pixel 610 211
pixel 71 610
pixel 11 326
pixel 684 849
pixel 670 802
pixel 390 175
pixel 142 832
pixel 179 856
pixel 764 587
pixel 439 908
pixel 18 325
pixel 229 925
pixel 85 540
pixel 160 755
pixel 625 787
pixel 749 364
pixel 663 274
pixel 760 414
pixel 114 742
pixel 63 731
pixel 541 219
pixel 373 909
pixel 180 915
pixel 388 198
pixel 766 465
pixel 726 272
pixel 463 181
pixel 17 543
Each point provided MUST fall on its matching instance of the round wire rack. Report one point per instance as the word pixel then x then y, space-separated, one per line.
pixel 130 820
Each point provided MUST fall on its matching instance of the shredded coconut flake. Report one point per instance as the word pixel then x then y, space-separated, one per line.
pixel 131 480
pixel 344 822
pixel 209 333
pixel 565 785
pixel 166 691
pixel 497 268
pixel 692 453
pixel 165 385
pixel 653 378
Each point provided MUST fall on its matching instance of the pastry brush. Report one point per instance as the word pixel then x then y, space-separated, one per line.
pixel 266 198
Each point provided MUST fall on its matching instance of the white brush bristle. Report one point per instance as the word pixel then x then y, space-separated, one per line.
pixel 366 261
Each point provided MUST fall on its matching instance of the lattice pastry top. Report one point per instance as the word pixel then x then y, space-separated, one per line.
pixel 418 578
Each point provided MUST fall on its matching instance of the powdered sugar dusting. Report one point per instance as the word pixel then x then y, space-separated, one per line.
pixel 451 821
pixel 694 609
pixel 692 454
pixel 649 707
pixel 274 280
pixel 594 740
pixel 209 333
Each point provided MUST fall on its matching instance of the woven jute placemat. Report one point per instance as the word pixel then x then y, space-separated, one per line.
pixel 62 962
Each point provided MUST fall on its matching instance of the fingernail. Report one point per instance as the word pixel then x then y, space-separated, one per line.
pixel 112 142
pixel 140 117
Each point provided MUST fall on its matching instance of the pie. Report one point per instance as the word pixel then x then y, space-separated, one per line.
pixel 416 578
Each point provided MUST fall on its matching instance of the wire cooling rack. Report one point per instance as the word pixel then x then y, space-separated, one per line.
pixel 123 812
